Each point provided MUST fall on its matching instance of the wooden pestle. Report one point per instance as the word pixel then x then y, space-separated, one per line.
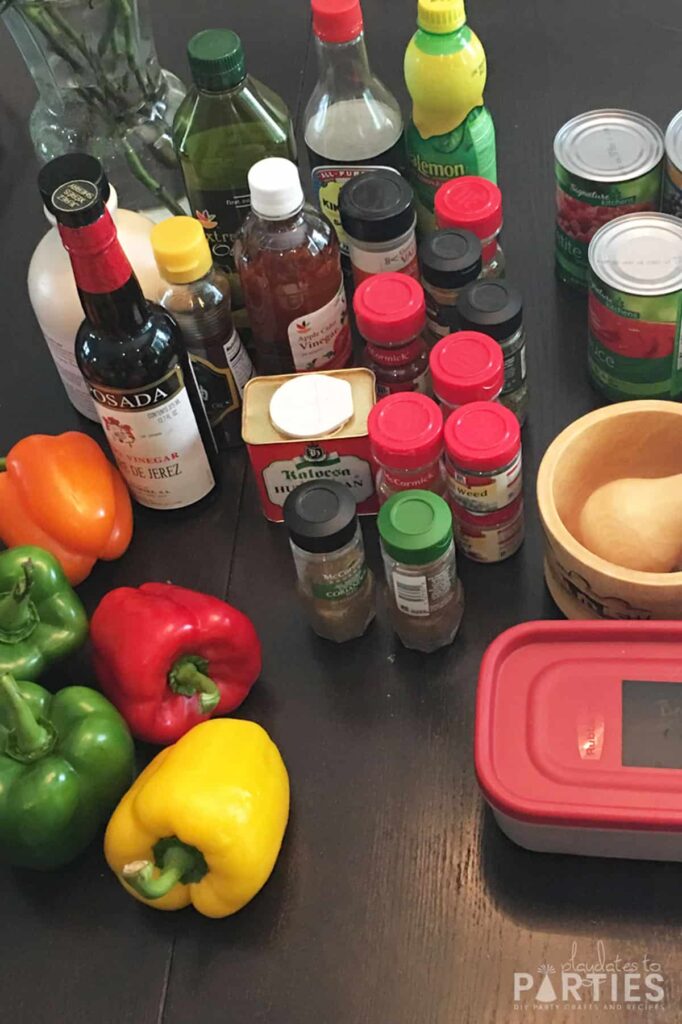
pixel 636 523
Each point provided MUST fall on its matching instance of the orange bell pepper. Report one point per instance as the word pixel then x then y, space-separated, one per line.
pixel 62 494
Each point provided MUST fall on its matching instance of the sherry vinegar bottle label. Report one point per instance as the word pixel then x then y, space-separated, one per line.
pixel 155 439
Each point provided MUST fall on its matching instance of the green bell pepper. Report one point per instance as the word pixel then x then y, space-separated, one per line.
pixel 41 618
pixel 65 761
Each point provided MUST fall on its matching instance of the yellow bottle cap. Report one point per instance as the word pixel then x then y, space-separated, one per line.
pixel 181 249
pixel 441 16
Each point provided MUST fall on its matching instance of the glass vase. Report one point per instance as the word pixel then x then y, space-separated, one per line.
pixel 102 91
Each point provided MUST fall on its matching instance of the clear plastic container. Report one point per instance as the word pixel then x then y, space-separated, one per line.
pixel 474 203
pixel 425 597
pixel 466 366
pixel 449 260
pixel 335 585
pixel 378 218
pixel 390 313
pixel 406 439
pixel 483 457
pixel 490 536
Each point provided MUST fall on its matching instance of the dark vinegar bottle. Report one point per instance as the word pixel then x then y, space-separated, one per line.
pixel 131 354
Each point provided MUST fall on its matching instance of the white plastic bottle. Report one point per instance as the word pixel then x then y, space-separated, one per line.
pixel 51 285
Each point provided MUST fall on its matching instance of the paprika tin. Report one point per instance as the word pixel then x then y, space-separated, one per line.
pixel 339 451
pixel 635 307
pixel 577 742
pixel 672 179
pixel 607 163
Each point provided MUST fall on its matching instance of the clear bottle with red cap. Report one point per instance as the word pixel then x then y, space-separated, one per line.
pixel 406 439
pixel 351 119
pixel 390 313
pixel 475 204
pixel 467 366
pixel 485 480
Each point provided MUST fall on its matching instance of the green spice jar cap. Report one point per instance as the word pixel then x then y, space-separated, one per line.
pixel 415 527
pixel 216 59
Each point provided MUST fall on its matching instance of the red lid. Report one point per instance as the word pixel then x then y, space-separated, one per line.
pixel 406 430
pixel 467 367
pixel 469 202
pixel 389 308
pixel 482 435
pixel 577 724
pixel 337 21
pixel 486 520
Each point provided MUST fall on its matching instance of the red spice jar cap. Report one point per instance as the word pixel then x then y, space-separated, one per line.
pixel 488 520
pixel 337 21
pixel 469 202
pixel 482 436
pixel 467 366
pixel 406 430
pixel 389 308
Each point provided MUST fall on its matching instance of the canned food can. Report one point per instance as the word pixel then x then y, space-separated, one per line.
pixel 607 163
pixel 672 179
pixel 635 307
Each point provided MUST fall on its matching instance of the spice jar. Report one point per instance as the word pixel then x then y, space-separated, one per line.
pixel 496 308
pixel 377 214
pixel 489 536
pixel 475 204
pixel 425 598
pixel 466 367
pixel 335 585
pixel 449 260
pixel 391 314
pixel 483 457
pixel 406 440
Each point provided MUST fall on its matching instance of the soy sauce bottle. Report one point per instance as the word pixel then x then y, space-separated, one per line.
pixel 131 355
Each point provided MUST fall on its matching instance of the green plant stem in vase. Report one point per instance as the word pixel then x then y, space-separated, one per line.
pixel 102 91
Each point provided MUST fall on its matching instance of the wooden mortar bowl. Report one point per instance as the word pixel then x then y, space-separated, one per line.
pixel 631 439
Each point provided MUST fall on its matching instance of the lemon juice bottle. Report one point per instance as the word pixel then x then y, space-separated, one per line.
pixel 451 132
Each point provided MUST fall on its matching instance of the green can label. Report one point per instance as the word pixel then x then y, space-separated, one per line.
pixel 634 343
pixel 584 206
pixel 468 149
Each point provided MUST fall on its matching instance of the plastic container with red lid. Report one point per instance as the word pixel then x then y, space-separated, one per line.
pixel 578 745
pixel 390 313
pixel 483 457
pixel 406 440
pixel 467 366
pixel 475 204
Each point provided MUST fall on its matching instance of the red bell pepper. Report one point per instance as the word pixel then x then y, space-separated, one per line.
pixel 169 658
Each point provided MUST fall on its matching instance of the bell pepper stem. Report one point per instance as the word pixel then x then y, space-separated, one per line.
pixel 188 678
pixel 28 739
pixel 17 612
pixel 178 861
pixel 3 465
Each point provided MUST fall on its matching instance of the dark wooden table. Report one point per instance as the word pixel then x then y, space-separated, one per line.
pixel 396 900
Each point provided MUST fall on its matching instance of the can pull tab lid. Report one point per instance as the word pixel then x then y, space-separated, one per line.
pixel 311 405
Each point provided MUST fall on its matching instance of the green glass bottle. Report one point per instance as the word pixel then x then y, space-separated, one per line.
pixel 226 124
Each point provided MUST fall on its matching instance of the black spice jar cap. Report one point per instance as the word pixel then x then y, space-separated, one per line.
pixel 494 307
pixel 321 516
pixel 67 168
pixel 450 258
pixel 376 206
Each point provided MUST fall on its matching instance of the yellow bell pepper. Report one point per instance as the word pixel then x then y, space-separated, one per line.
pixel 204 822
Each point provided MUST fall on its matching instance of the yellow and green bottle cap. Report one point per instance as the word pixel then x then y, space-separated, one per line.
pixel 440 16
pixel 181 250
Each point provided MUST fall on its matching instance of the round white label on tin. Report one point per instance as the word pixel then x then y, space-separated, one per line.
pixel 312 405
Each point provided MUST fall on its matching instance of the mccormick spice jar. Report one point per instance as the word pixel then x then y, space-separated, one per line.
pixel 672 179
pixel 475 204
pixel 496 307
pixel 377 214
pixel 607 163
pixel 491 536
pixel 310 427
pixel 466 367
pixel 425 599
pixel 634 307
pixel 449 260
pixel 406 439
pixel 335 586
pixel 483 457
pixel 391 315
